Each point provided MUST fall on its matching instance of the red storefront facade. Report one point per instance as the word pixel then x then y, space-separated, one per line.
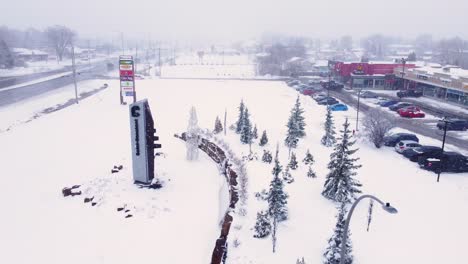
pixel 371 75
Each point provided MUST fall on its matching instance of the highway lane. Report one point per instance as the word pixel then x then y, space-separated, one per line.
pixel 10 96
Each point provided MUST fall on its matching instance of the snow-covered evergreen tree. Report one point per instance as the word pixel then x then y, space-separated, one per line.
pixel 262 225
pixel 300 261
pixel 329 138
pixel 246 133
pixel 218 126
pixel 192 135
pixel 311 173
pixel 277 197
pixel 309 159
pixel 287 177
pixel 296 126
pixel 292 138
pixel 293 162
pixel 240 120
pixel 267 158
pixel 332 254
pixel 255 132
pixel 263 139
pixel 297 113
pixel 340 185
pixel 277 200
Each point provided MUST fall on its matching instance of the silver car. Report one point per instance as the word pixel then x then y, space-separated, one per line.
pixel 406 144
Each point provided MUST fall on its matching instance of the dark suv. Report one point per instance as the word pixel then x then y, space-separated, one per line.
pixel 449 162
pixel 424 152
pixel 409 93
pixel 453 124
pixel 392 140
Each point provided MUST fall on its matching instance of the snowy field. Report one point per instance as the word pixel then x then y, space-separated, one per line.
pixel 212 66
pixel 179 223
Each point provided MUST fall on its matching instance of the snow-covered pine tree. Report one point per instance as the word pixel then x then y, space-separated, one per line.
pixel 240 120
pixel 263 139
pixel 340 185
pixel 328 139
pixel 267 158
pixel 297 112
pixel 311 173
pixel 291 139
pixel 192 135
pixel 218 126
pixel 332 254
pixel 295 125
pixel 277 200
pixel 300 261
pixel 262 225
pixel 309 159
pixel 293 161
pixel 255 132
pixel 246 133
pixel 277 197
pixel 287 177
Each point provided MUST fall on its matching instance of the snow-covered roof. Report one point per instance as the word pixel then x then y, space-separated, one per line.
pixel 294 59
pixel 23 51
pixel 321 63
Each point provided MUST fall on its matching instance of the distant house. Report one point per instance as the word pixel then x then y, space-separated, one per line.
pixel 29 54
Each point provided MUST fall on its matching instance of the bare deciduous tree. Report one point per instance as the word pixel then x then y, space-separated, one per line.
pixel 60 37
pixel 377 124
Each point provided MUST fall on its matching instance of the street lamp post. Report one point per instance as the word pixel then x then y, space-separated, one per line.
pixel 387 208
pixel 357 111
pixel 443 145
pixel 403 60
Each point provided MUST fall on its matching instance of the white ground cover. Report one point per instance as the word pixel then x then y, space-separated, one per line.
pixel 180 222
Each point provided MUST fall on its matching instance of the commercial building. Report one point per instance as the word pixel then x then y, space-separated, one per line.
pixel 449 83
pixel 367 75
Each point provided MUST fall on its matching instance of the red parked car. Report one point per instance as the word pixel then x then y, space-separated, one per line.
pixel 308 91
pixel 411 112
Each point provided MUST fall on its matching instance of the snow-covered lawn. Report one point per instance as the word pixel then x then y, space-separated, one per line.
pixel 179 223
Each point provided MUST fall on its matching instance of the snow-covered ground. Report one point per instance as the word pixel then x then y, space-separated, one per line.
pixel 212 66
pixel 179 223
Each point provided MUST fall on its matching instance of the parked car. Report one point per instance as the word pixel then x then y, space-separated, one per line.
pixel 367 94
pixel 409 93
pixel 319 96
pixel 406 144
pixel 448 162
pixel 388 103
pixel 292 82
pixel 411 112
pixel 308 91
pixel 392 140
pixel 328 101
pixel 339 107
pixel 395 107
pixel 331 85
pixel 422 152
pixel 453 124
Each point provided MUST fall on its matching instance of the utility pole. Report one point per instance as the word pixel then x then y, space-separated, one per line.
pixel 441 166
pixel 225 117
pixel 403 60
pixel 122 39
pixel 74 72
pixel 89 55
pixel 357 115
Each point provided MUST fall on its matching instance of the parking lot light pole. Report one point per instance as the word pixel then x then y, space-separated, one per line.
pixel 385 206
pixel 443 145
pixel 357 110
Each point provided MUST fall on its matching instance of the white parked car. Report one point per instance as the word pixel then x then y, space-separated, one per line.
pixel 406 144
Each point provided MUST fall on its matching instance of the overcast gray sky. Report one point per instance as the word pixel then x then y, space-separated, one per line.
pixel 237 19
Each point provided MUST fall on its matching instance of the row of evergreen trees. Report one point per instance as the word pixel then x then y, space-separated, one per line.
pixel 244 127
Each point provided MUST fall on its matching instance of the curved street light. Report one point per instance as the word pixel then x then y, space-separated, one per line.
pixel 385 206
